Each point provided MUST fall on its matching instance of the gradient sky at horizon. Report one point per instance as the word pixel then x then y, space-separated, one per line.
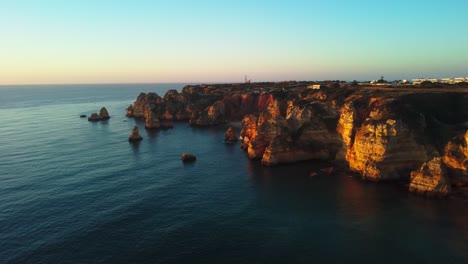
pixel 219 41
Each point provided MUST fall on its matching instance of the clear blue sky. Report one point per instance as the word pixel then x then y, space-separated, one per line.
pixel 212 41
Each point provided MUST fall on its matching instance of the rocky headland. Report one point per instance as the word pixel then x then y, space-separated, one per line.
pixel 418 136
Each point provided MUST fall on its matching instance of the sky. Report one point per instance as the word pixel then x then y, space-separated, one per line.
pixel 88 41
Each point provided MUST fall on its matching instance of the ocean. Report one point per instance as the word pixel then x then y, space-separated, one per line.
pixel 72 191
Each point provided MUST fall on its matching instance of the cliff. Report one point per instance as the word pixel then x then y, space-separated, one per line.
pixel 416 136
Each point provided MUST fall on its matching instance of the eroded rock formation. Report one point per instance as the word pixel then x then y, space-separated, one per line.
pixel 230 135
pixel 382 135
pixel 103 115
pixel 135 135
pixel 431 179
pixel 456 158
pixel 378 142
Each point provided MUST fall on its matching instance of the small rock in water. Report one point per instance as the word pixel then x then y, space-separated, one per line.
pixel 82 116
pixel 135 135
pixel 188 157
pixel 230 136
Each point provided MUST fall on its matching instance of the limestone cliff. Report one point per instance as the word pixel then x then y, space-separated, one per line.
pixel 380 134
pixel 431 179
pixel 289 131
pixel 378 142
pixel 456 158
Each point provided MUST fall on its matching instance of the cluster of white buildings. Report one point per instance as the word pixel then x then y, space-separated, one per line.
pixel 443 80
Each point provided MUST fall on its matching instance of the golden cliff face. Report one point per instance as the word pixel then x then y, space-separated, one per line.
pixel 257 137
pixel 298 134
pixel 378 143
pixel 456 158
pixel 431 179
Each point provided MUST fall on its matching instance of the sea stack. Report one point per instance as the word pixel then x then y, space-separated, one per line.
pixel 135 135
pixel 104 114
pixel 188 157
pixel 230 136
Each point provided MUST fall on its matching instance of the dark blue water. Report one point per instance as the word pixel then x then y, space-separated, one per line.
pixel 72 191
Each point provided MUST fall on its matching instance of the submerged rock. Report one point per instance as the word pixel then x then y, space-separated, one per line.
pixel 188 157
pixel 135 135
pixel 82 116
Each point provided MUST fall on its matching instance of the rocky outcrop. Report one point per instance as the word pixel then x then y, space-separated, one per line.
pixel 103 115
pixel 378 142
pixel 456 158
pixel 135 135
pixel 230 136
pixel 289 131
pixel 203 105
pixel 269 124
pixel 94 117
pixel 130 111
pixel 151 120
pixel 431 179
pixel 381 134
pixel 213 115
pixel 188 157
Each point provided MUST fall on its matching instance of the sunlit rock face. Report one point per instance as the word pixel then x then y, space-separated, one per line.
pixel 288 131
pixel 305 137
pixel 140 106
pixel 378 142
pixel 258 132
pixel 431 179
pixel 151 120
pixel 213 115
pixel 249 130
pixel 456 158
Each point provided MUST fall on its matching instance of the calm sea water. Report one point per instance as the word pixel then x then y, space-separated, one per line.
pixel 72 191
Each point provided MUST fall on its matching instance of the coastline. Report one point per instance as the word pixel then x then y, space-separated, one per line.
pixel 382 134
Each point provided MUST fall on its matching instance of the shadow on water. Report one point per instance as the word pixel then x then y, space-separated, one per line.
pixel 189 164
pixel 231 147
pixel 152 133
pixel 135 146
